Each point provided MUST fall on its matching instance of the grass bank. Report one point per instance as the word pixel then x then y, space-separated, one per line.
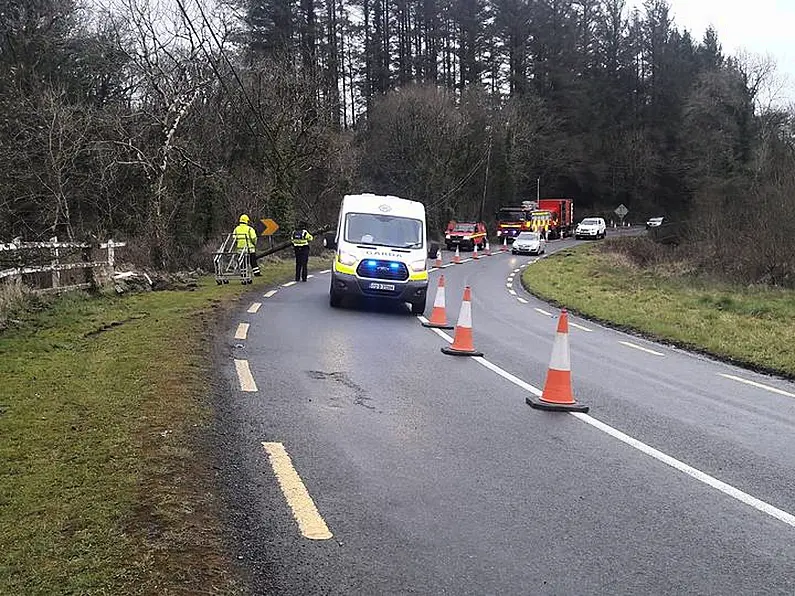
pixel 753 326
pixel 104 487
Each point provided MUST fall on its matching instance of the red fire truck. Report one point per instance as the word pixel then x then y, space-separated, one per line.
pixel 553 217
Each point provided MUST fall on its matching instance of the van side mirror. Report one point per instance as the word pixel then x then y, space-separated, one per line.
pixel 330 240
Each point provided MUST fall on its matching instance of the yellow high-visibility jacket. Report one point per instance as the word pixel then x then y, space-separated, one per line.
pixel 246 237
pixel 301 238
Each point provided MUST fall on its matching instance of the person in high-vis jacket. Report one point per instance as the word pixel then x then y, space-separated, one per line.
pixel 301 239
pixel 246 238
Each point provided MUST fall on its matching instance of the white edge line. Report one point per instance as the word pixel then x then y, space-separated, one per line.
pixel 517 270
pixel 711 481
pixel 522 300
pixel 759 385
pixel 325 271
pixel 271 294
pixel 432 269
pixel 244 376
pixel 543 312
pixel 254 307
pixel 575 325
pixel 242 331
pixel 637 347
pixel 288 284
pixel 310 276
pixel 512 292
pixel 727 489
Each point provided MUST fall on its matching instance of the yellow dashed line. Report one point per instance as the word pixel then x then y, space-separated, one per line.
pixel 242 331
pixel 306 514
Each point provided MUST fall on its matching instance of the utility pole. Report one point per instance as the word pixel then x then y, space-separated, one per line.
pixel 538 189
pixel 486 177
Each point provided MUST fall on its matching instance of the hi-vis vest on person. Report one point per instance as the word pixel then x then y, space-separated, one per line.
pixel 301 238
pixel 246 237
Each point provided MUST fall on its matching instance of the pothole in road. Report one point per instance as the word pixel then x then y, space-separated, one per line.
pixel 358 394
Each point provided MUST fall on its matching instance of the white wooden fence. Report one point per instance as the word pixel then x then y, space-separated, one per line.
pixel 59 255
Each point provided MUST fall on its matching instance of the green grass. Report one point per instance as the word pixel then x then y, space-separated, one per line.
pixel 104 488
pixel 750 325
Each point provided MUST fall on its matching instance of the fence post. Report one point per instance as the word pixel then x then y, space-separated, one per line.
pixel 111 254
pixel 56 275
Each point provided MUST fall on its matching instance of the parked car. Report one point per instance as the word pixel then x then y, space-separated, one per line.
pixel 465 235
pixel 654 222
pixel 591 227
pixel 529 243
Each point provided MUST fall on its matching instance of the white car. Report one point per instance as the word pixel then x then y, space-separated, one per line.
pixel 654 222
pixel 531 243
pixel 591 227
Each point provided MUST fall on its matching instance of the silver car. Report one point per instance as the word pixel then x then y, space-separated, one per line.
pixel 531 243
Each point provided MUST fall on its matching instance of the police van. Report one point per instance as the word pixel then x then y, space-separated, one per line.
pixel 381 251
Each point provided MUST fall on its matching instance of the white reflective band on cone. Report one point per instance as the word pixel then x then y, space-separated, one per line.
pixel 560 353
pixel 465 316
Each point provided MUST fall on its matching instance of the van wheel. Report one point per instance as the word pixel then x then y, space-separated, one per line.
pixel 334 299
pixel 418 308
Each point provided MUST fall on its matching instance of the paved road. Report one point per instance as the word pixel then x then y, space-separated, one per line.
pixel 433 476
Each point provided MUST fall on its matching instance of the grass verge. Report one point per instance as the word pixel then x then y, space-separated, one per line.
pixel 752 326
pixel 105 488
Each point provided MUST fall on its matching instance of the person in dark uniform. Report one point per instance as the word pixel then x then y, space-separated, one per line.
pixel 301 239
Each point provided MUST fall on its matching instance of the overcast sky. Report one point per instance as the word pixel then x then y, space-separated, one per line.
pixel 757 26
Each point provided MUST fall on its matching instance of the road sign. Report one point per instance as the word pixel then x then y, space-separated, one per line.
pixel 270 227
pixel 621 211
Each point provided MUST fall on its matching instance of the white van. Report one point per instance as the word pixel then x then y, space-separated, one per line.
pixel 382 250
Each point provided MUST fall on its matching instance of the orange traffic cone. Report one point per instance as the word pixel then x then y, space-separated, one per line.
pixel 504 247
pixel 439 258
pixel 488 249
pixel 475 251
pixel 438 314
pixel 557 395
pixel 457 257
pixel 462 342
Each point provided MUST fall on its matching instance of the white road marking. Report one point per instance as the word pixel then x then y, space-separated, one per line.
pixel 254 307
pixel 637 347
pixel 309 520
pixel 432 269
pixel 575 325
pixel 543 312
pixel 289 283
pixel 310 276
pixel 448 265
pixel 522 300
pixel 760 385
pixel 711 481
pixel 509 285
pixel 517 270
pixel 242 331
pixel 271 294
pixel 325 271
pixel 512 292
pixel 244 376
pixel 727 489
pixel 466 260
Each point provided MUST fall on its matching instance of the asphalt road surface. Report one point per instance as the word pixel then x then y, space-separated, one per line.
pixel 360 459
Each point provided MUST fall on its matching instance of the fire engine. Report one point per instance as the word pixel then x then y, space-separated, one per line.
pixel 552 217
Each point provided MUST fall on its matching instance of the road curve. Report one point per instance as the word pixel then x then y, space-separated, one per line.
pixel 431 475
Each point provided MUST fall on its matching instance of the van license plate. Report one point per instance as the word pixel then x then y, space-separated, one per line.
pixel 379 286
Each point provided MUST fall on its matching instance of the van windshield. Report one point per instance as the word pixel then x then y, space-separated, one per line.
pixel 383 230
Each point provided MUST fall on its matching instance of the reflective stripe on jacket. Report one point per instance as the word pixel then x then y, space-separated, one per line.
pixel 246 237
pixel 301 238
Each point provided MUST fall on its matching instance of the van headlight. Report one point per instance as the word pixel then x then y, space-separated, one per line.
pixel 447 236
pixel 418 265
pixel 346 259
